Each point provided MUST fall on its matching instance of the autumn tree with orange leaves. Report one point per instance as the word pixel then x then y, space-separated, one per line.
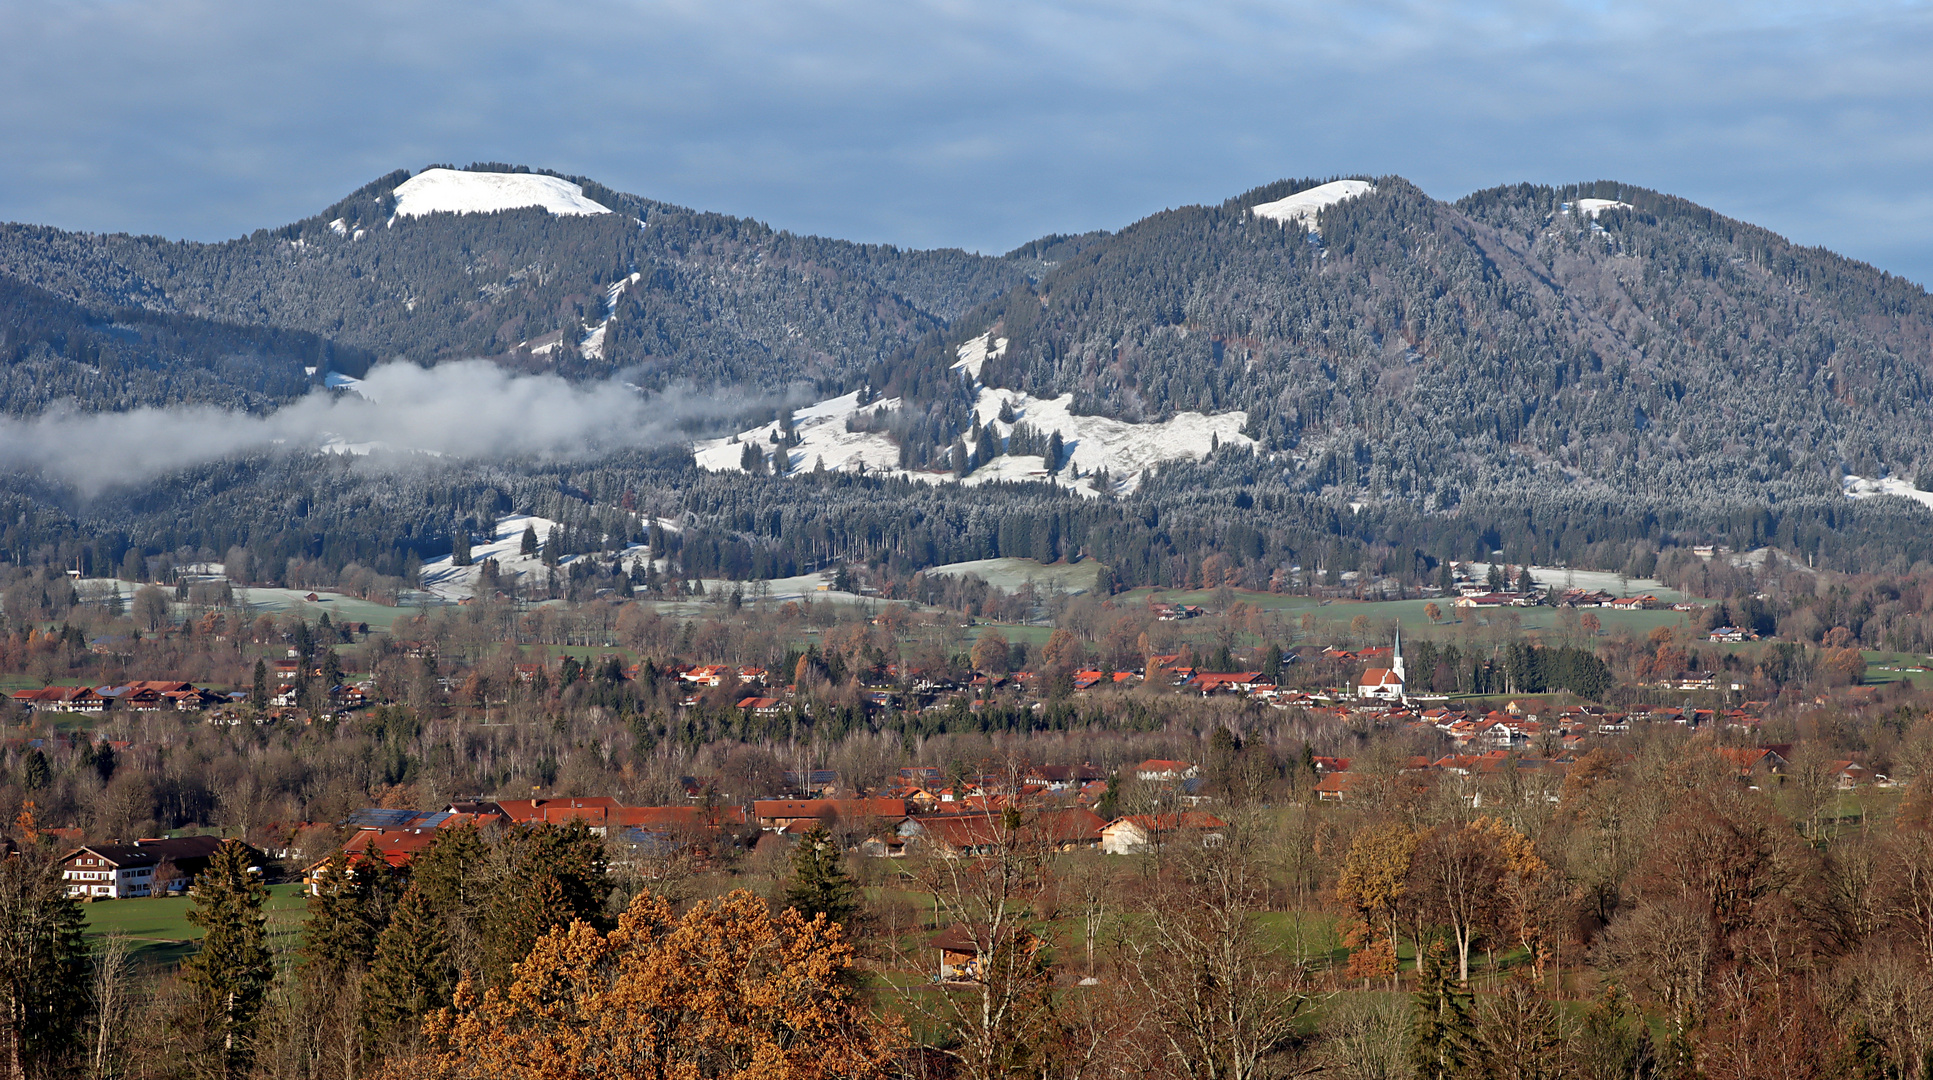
pixel 729 991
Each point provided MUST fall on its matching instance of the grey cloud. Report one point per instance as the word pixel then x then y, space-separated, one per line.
pixel 971 124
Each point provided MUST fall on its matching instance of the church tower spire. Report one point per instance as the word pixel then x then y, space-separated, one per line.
pixel 1397 664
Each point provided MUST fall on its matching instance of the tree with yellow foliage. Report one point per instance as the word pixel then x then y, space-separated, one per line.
pixel 729 991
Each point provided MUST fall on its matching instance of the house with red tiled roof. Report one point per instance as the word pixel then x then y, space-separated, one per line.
pixel 1140 832
pixel 776 814
pixel 1166 770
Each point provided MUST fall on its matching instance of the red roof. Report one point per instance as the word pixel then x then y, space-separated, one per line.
pixel 848 809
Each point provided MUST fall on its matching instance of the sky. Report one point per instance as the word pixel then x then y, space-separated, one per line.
pixel 980 125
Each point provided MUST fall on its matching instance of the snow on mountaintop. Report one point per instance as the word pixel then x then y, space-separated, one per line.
pixel 1304 205
pixel 452 191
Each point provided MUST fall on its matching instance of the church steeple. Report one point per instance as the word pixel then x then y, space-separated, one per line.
pixel 1397 665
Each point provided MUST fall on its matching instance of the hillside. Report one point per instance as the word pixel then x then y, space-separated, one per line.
pixel 1312 374
pixel 1601 339
pixel 671 294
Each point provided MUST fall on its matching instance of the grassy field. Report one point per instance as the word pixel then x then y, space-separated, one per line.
pixel 338 607
pixel 1010 575
pixel 1409 613
pixel 160 935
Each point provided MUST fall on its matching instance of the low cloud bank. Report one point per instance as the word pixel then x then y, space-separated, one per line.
pixel 468 409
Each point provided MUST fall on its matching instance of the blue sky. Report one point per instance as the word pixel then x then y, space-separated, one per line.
pixel 979 125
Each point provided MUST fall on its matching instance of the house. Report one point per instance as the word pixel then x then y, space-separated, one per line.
pixel 1240 682
pixel 1484 600
pixel 777 814
pixel 1731 633
pixel 1339 786
pixel 955 835
pixel 112 871
pixel 81 699
pixel 812 781
pixel 1850 774
pixel 1139 832
pixel 762 706
pixel 708 675
pixel 1751 759
pixel 1163 769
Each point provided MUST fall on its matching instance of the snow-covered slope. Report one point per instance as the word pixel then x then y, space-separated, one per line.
pixel 1304 205
pixel 451 191
pixel 975 354
pixel 823 438
pixel 1859 487
pixel 1594 207
pixel 452 582
pixel 1091 443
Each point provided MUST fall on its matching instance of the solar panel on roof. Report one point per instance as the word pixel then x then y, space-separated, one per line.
pixel 376 817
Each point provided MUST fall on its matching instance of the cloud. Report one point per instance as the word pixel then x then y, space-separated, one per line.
pixel 979 124
pixel 470 409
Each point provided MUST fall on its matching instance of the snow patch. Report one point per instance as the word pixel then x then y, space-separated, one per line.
pixel 1089 443
pixel 1303 206
pixel 1594 207
pixel 340 226
pixel 822 437
pixel 336 380
pixel 592 347
pixel 1859 487
pixel 975 354
pixel 452 191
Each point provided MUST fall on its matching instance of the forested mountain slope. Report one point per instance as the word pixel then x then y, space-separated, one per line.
pixel 1581 374
pixel 706 298
pixel 1602 337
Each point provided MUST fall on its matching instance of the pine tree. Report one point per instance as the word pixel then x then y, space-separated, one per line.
pixel 529 544
pixel 230 976
pixel 410 975
pixel 460 546
pixel 43 965
pixel 1440 1039
pixel 819 885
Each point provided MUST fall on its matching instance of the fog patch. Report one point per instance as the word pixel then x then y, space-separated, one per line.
pixel 468 409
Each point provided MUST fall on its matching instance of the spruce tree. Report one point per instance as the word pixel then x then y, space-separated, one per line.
pixel 229 978
pixel 529 545
pixel 345 913
pixel 1440 1039
pixel 819 885
pixel 43 964
pixel 410 975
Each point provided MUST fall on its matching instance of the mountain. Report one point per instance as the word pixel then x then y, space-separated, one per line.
pixel 679 295
pixel 1344 373
pixel 1600 338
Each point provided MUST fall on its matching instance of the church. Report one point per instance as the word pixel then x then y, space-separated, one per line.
pixel 1384 684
